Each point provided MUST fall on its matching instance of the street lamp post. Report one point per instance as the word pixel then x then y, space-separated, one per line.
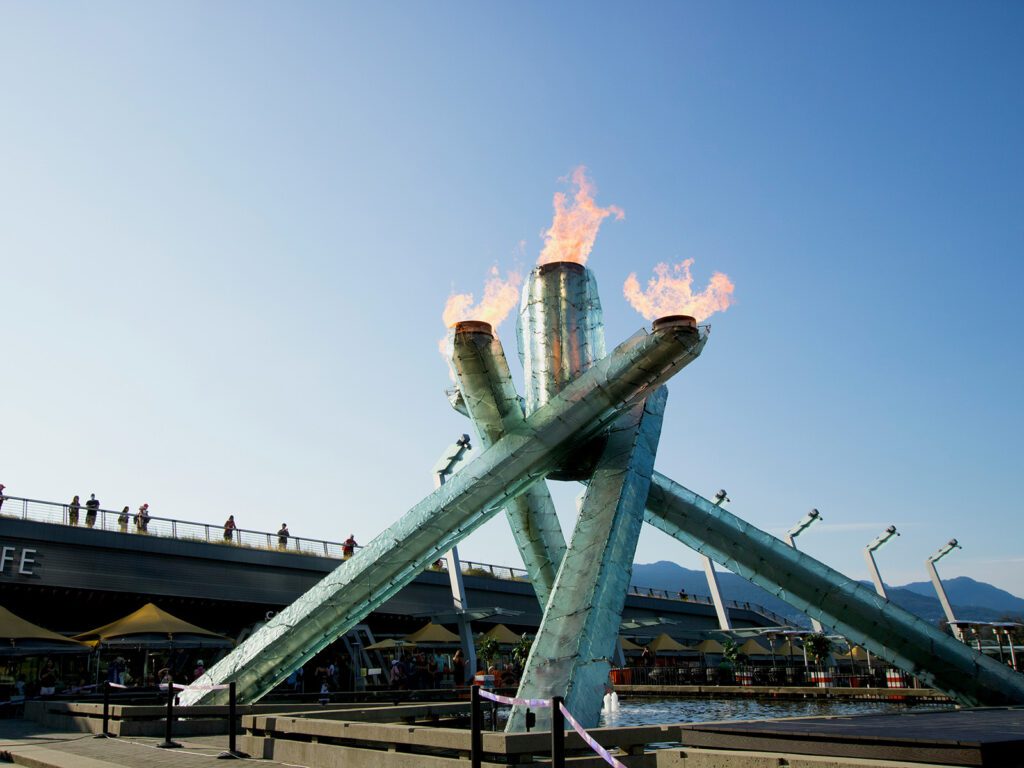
pixel 445 467
pixel 940 590
pixel 709 572
pixel 809 519
pixel 869 555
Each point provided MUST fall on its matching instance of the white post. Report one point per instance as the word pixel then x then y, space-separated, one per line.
pixel 811 517
pixel 940 590
pixel 442 469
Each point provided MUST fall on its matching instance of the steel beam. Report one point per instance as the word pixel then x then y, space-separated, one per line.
pixel 840 603
pixel 490 399
pixel 586 406
pixel 571 654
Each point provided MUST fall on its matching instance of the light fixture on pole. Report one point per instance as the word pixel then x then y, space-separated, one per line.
pixel 869 555
pixel 940 590
pixel 709 572
pixel 442 470
pixel 806 522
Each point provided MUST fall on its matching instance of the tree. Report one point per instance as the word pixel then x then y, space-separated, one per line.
pixel 818 647
pixel 521 651
pixel 487 650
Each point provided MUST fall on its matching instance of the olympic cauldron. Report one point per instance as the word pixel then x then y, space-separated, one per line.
pixel 595 417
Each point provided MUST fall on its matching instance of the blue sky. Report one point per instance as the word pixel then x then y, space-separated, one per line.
pixel 228 231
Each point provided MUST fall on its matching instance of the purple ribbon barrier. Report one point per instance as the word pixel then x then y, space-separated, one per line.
pixel 590 739
pixel 534 703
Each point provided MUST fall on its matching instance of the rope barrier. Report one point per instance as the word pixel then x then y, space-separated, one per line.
pixel 180 687
pixel 512 702
pixel 601 751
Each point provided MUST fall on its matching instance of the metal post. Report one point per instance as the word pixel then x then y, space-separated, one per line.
pixel 811 517
pixel 105 733
pixel 1013 653
pixel 168 742
pixel 940 590
pixel 557 733
pixel 232 753
pixel 476 737
pixel 444 467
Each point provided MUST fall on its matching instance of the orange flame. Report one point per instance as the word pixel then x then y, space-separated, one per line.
pixel 500 296
pixel 574 228
pixel 672 294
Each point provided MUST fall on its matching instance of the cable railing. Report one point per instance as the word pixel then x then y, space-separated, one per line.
pixel 185 530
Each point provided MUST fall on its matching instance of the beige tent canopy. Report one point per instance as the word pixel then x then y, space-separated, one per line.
pixel 19 637
pixel 432 633
pixel 789 648
pixel 710 646
pixel 503 635
pixel 628 645
pixel 754 648
pixel 390 644
pixel 151 626
pixel 663 643
pixel 856 653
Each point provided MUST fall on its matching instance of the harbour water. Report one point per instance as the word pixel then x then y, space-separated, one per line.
pixel 646 711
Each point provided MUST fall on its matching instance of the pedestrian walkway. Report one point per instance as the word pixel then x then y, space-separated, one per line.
pixel 26 742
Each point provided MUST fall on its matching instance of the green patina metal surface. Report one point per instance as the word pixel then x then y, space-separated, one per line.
pixel 584 407
pixel 572 652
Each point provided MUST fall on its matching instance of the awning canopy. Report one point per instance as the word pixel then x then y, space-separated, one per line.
pixel 390 644
pixel 710 646
pixel 152 626
pixel 19 637
pixel 432 633
pixel 503 635
pixel 754 648
pixel 663 643
pixel 628 645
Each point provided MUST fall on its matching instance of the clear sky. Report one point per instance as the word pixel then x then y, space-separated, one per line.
pixel 228 230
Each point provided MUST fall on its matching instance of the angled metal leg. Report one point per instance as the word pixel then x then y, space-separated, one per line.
pixel 490 399
pixel 580 630
pixel 440 521
pixel 840 603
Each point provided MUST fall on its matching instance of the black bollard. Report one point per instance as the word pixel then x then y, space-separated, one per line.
pixel 105 733
pixel 169 743
pixel 557 733
pixel 476 736
pixel 232 753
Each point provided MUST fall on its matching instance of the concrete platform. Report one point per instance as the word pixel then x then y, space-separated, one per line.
pixel 988 737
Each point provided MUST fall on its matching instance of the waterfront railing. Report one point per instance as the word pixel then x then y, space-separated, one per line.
pixel 185 530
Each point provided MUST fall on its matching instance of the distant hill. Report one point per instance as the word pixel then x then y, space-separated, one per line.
pixel 964 590
pixel 972 600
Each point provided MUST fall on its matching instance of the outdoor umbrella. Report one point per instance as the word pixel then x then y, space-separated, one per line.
pixel 152 627
pixel 432 633
pixel 19 637
pixel 503 635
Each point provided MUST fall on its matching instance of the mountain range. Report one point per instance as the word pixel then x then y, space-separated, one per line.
pixel 971 600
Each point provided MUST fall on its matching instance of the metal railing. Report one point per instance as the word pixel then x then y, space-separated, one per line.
pixel 783 672
pixel 213 533
pixel 164 527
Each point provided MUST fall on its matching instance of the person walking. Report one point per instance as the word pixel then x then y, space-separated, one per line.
pixel 2 497
pixel 73 508
pixel 92 507
pixel 142 519
pixel 282 536
pixel 348 547
pixel 122 520
pixel 229 528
